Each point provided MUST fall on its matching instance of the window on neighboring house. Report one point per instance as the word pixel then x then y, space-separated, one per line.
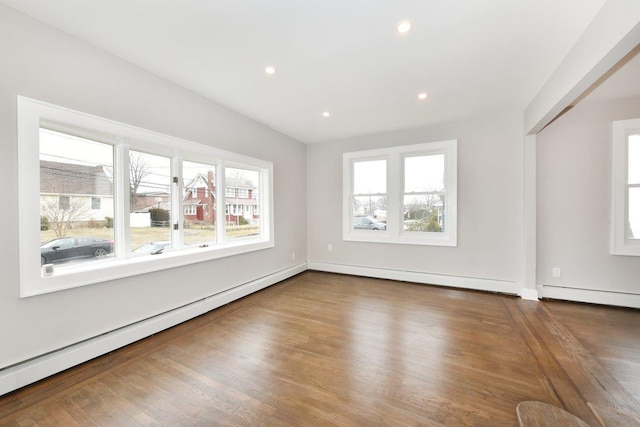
pixel 230 192
pixel 626 187
pixel 95 203
pixel 403 194
pixel 92 169
pixel 64 203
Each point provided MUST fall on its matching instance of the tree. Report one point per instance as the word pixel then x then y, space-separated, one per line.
pixel 138 170
pixel 428 223
pixel 425 212
pixel 61 212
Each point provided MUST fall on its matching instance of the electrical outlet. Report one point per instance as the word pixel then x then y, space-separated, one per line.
pixel 329 247
pixel 293 256
pixel 556 272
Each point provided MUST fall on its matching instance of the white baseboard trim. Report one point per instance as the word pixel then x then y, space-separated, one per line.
pixel 529 294
pixel 595 297
pixel 502 286
pixel 22 374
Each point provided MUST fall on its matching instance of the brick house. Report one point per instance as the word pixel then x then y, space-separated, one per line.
pixel 241 200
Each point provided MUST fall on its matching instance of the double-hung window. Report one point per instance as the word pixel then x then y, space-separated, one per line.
pixel 102 200
pixel 626 187
pixel 404 194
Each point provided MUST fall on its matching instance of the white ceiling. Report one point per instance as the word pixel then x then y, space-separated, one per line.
pixel 343 56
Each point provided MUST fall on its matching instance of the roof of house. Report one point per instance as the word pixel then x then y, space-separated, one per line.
pixel 69 178
pixel 200 181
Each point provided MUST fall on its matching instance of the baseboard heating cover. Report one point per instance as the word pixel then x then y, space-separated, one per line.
pixel 30 371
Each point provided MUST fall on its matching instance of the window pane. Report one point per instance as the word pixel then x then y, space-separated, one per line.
pixel 424 173
pixel 74 172
pixel 634 213
pixel 634 159
pixel 199 203
pixel 424 213
pixel 423 204
pixel 375 206
pixel 370 200
pixel 242 200
pixel 370 177
pixel 150 202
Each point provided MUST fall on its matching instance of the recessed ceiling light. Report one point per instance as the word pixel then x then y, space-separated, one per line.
pixel 422 96
pixel 326 114
pixel 403 27
pixel 269 69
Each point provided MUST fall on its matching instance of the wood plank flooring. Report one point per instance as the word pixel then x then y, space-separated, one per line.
pixel 326 349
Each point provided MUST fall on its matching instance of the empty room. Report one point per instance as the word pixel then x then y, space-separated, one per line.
pixel 349 213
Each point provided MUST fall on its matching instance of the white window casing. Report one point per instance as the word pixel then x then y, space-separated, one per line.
pixel 395 226
pixel 622 226
pixel 32 115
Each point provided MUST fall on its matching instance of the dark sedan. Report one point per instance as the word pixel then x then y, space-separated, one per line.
pixel 68 248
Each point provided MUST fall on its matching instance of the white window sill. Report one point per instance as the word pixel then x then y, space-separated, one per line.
pixel 433 239
pixel 629 249
pixel 99 271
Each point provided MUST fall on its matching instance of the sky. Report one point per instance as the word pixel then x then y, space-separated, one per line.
pixel 61 147
pixel 422 173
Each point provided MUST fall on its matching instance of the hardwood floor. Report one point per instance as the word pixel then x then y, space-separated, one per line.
pixel 327 349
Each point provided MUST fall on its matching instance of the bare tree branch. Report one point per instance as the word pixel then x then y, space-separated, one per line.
pixel 61 215
pixel 138 170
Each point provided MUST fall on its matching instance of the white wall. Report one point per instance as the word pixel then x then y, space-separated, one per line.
pixel 489 203
pixel 45 64
pixel 574 201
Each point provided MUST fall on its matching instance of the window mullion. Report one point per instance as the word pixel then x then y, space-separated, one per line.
pixel 221 216
pixel 177 233
pixel 121 220
pixel 394 193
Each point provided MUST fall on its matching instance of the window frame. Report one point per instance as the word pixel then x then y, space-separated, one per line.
pixel 395 232
pixel 33 114
pixel 620 243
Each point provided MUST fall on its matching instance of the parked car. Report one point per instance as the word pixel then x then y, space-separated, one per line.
pixel 367 223
pixel 68 248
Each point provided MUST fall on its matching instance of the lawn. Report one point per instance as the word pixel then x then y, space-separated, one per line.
pixel 140 236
